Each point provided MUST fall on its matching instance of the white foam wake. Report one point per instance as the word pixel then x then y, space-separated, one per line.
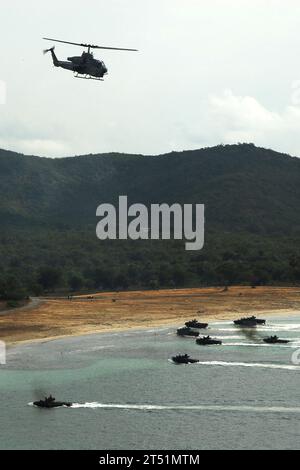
pixel 280 328
pixel 249 364
pixel 267 327
pixel 259 345
pixel 88 349
pixel 232 337
pixel 231 330
pixel 147 407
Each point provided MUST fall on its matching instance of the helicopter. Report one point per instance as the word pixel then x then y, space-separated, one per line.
pixel 84 66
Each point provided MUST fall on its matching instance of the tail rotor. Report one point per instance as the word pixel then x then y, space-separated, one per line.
pixel 45 51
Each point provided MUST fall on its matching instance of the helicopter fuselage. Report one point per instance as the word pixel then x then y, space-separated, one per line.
pixel 83 65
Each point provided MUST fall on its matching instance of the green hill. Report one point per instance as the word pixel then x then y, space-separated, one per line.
pixel 252 197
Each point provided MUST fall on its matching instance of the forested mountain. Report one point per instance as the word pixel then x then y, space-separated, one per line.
pixel 47 216
pixel 243 187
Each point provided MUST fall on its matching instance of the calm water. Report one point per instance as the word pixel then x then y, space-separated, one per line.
pixel 128 395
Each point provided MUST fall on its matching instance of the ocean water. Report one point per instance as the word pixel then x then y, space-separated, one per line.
pixel 127 394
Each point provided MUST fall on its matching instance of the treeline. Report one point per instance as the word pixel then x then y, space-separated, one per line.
pixel 50 261
pixel 12 288
pixel 47 214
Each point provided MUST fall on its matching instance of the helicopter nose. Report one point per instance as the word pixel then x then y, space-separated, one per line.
pixel 104 68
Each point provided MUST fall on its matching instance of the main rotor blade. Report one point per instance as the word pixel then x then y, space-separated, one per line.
pixel 66 42
pixel 115 48
pixel 91 45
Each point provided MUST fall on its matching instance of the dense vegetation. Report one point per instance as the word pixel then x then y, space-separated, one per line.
pixel 47 215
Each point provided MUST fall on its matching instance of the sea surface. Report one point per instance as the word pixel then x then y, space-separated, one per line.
pixel 128 394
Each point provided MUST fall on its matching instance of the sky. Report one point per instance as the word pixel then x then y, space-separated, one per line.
pixel 207 72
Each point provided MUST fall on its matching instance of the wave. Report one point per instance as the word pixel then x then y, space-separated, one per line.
pixel 249 364
pixel 157 330
pixel 293 326
pixel 88 349
pixel 231 337
pixel 280 328
pixel 148 407
pixel 235 329
pixel 259 345
pixel 244 364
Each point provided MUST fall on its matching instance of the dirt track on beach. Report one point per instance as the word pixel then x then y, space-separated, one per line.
pixel 50 318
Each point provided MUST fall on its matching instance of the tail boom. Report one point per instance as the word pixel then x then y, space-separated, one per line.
pixel 54 58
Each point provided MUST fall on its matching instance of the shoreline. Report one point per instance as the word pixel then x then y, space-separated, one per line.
pixel 57 318
pixel 268 314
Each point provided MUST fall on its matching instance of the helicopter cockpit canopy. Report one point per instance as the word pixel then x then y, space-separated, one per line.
pixel 104 68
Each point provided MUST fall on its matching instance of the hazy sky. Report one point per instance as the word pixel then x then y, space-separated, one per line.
pixel 208 72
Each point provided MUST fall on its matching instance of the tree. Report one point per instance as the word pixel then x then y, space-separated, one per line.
pixel 179 276
pixel 11 289
pixel 49 278
pixel 76 282
pixel 121 281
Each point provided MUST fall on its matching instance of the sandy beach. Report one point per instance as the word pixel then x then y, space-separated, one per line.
pixel 49 318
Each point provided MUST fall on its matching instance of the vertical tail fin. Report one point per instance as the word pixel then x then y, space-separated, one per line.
pixel 54 58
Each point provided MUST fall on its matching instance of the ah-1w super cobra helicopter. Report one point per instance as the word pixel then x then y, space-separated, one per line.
pixel 84 66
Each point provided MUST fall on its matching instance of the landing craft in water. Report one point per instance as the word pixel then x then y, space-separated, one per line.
pixel 183 359
pixel 249 322
pixel 50 402
pixel 208 341
pixel 187 332
pixel 275 340
pixel 196 324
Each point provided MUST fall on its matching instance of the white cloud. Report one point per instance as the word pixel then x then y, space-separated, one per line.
pixel 231 118
pixel 21 134
pixel 36 147
pixel 240 116
pixel 157 100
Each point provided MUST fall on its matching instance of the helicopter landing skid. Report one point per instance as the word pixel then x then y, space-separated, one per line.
pixel 88 77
